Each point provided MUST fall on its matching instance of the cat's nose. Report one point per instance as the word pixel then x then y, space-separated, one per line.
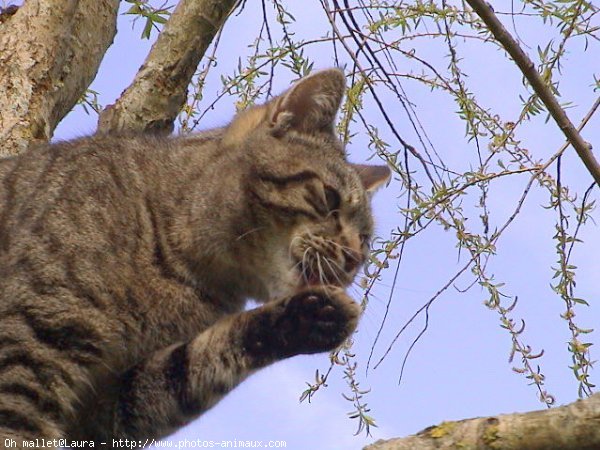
pixel 352 259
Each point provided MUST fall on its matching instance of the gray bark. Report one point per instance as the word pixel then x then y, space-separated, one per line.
pixel 159 90
pixel 49 54
pixel 575 426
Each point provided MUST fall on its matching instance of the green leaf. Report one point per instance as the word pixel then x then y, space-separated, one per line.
pixel 147 29
pixel 580 301
pixel 134 10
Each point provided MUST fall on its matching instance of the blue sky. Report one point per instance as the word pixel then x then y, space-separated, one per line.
pixel 459 368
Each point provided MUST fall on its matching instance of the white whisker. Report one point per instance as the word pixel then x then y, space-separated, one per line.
pixel 243 235
pixel 292 243
pixel 305 266
pixel 322 277
pixel 333 271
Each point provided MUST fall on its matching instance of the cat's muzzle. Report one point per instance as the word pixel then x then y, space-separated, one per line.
pixel 330 264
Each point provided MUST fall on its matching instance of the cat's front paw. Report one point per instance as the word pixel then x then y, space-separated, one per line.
pixel 316 320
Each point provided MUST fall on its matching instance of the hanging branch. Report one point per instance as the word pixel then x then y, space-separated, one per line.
pixel 583 148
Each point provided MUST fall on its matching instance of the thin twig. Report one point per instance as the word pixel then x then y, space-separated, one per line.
pixel 583 148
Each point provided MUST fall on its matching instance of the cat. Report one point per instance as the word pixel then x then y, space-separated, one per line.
pixel 126 263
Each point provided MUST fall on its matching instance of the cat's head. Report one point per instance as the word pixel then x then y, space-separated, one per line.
pixel 315 204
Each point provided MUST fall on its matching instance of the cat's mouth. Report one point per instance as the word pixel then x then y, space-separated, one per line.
pixel 324 273
pixel 321 261
pixel 320 281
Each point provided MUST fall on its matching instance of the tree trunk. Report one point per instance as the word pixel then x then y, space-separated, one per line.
pixel 49 54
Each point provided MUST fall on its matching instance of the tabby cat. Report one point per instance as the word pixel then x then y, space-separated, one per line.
pixel 126 263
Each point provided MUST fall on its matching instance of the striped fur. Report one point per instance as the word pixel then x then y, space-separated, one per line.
pixel 126 262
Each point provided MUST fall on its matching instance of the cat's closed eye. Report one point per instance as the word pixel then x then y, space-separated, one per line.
pixel 333 199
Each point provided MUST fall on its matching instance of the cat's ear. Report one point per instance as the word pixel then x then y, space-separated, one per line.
pixel 310 105
pixel 372 177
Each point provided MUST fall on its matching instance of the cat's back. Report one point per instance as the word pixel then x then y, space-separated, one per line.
pixel 71 213
pixel 79 180
pixel 80 245
pixel 89 217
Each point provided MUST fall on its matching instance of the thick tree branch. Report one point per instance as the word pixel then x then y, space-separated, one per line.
pixel 159 90
pixel 575 426
pixel 49 54
pixel 583 148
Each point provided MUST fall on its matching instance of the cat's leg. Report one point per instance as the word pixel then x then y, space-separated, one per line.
pixel 20 431
pixel 30 406
pixel 179 383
